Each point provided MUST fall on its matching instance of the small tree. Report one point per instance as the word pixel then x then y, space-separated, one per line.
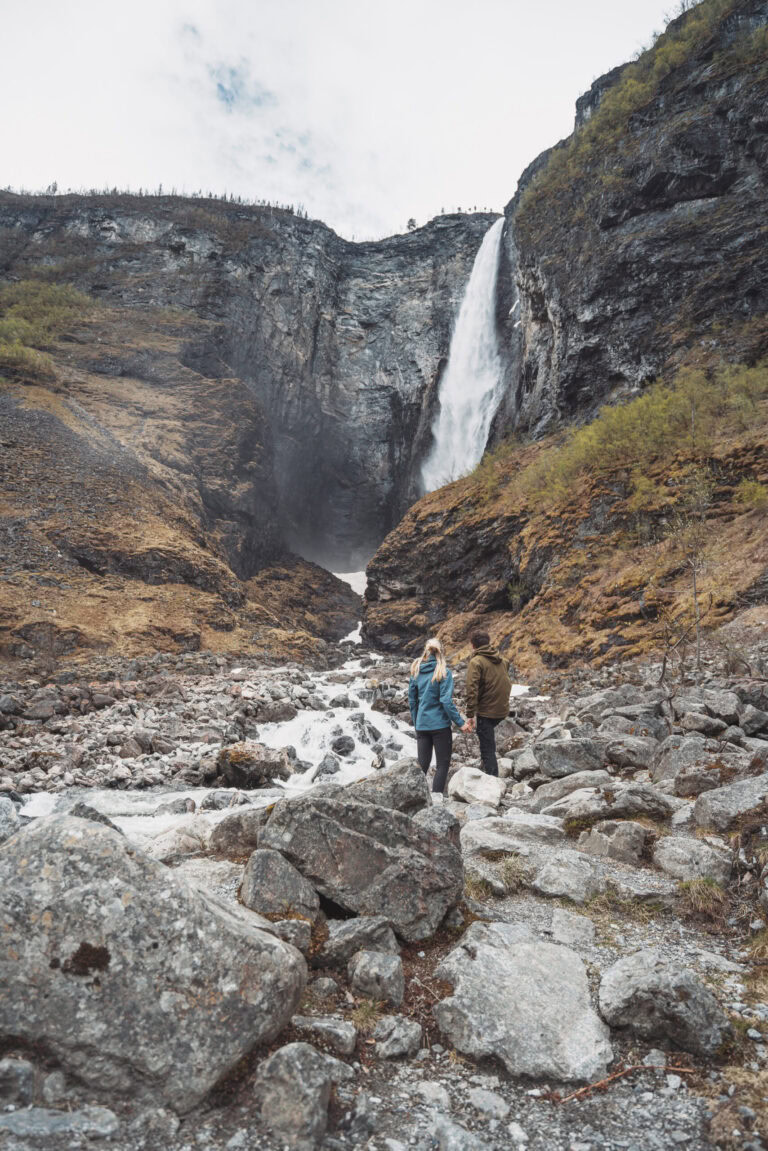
pixel 411 225
pixel 690 533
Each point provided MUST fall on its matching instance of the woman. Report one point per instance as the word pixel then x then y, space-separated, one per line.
pixel 430 698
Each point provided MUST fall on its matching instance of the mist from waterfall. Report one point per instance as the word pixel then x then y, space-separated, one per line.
pixel 470 390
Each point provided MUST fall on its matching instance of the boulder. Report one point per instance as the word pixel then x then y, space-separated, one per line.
pixel 250 765
pixel 369 859
pixel 439 820
pixel 9 818
pixel 507 833
pixel 705 724
pixel 348 936
pixel 550 793
pixel 618 801
pixel 272 886
pixel 677 752
pixel 659 999
pixel 569 875
pixel 17 1081
pixel 572 929
pixel 132 980
pixel 40 1125
pixel 686 858
pixel 377 975
pixel 331 1030
pixel 238 832
pixel 616 839
pixel 559 757
pixel 396 1037
pixel 471 785
pixel 753 721
pixel 293 1088
pixel 401 787
pixel 695 780
pixel 630 752
pixel 526 1004
pixel 727 806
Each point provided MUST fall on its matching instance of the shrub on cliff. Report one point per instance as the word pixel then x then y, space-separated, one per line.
pixel 33 314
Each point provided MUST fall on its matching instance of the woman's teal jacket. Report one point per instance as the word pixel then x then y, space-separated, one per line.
pixel 431 704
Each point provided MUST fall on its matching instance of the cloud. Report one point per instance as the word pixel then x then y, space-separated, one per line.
pixel 365 113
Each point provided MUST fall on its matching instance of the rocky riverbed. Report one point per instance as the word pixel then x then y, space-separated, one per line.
pixel 233 918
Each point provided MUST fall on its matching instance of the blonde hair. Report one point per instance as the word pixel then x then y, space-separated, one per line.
pixel 432 649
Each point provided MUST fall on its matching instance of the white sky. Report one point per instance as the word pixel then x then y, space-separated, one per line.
pixel 366 112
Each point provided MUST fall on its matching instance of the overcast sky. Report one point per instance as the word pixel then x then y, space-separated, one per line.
pixel 366 112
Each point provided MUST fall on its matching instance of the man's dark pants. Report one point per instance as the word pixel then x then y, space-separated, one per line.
pixel 486 735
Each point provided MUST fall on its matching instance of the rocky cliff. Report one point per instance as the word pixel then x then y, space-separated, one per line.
pixel 639 242
pixel 341 345
pixel 634 251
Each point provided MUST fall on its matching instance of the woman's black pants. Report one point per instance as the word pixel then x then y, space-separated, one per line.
pixel 442 741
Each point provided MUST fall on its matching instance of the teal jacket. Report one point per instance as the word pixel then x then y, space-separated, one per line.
pixel 431 704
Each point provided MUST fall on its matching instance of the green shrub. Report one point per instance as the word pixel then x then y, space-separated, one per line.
pixel 752 495
pixel 33 314
pixel 19 362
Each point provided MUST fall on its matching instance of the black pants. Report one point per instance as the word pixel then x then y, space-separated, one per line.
pixel 486 734
pixel 442 741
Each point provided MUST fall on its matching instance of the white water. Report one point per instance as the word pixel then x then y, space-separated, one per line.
pixel 470 389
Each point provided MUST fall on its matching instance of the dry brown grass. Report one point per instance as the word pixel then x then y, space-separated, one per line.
pixel 477 888
pixel 703 899
pixel 366 1014
pixel 515 873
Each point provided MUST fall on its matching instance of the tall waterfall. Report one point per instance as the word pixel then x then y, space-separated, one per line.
pixel 470 389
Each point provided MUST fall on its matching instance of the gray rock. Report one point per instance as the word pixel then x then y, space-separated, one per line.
pixel 85 811
pixel 293 1088
pixel 337 1033
pixel 559 757
pixel 572 929
pixel 348 936
pixel 450 1136
pixel 9 818
pixel 656 998
pixel 272 886
pixel 677 752
pixel 753 720
pixel 507 833
pixel 629 752
pixel 550 793
pixel 687 858
pixel 343 745
pixel 526 1004
pixel 17 1081
pixel 107 983
pixel 692 781
pixel 297 932
pixel 440 821
pixel 434 1095
pixel 725 806
pixel 569 876
pixel 329 765
pixel 616 839
pixel 396 1037
pixel 369 859
pixel 251 765
pixel 471 785
pixel 377 975
pixel 324 987
pixel 54 1088
pixel 39 1124
pixel 238 832
pixel 488 1103
pixel 402 786
pixel 706 724
pixel 218 799
pixel 525 764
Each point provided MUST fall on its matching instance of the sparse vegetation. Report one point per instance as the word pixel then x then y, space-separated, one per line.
pixel 753 495
pixel 33 315
pixel 606 908
pixel 366 1014
pixel 703 898
pixel 515 873
pixel 477 888
pixel 758 948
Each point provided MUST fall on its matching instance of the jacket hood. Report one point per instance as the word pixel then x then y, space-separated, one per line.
pixel 428 665
pixel 488 652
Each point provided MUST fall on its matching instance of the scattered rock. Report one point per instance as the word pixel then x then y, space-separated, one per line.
pixel 396 1037
pixel 657 999
pixel 39 1124
pixel 17 1081
pixel 724 807
pixel 9 819
pixel 250 765
pixel 335 1032
pixel 569 876
pixel 687 858
pixel 401 787
pixel 273 886
pixel 378 976
pixel 473 786
pixel 572 929
pixel 616 839
pixel 348 936
pixel 293 1088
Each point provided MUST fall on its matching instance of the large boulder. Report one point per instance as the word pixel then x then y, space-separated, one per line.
pixel 550 793
pixel 238 832
pixel 677 752
pixel 507 833
pixel 9 819
pixel 630 752
pixel 659 999
pixel 526 1004
pixel 272 886
pixel 728 806
pixel 402 787
pixel 377 975
pixel 132 980
pixel 686 858
pixel 569 875
pixel 559 757
pixel 249 765
pixel 620 839
pixel 369 859
pixel 471 785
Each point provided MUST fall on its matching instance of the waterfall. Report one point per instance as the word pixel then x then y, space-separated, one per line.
pixel 470 389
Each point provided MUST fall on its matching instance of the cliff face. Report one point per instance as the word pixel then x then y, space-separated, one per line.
pixel 631 250
pixel 639 242
pixel 340 345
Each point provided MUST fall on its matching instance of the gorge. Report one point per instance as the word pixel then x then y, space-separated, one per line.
pixel 260 387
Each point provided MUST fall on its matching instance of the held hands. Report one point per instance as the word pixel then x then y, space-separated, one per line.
pixel 469 726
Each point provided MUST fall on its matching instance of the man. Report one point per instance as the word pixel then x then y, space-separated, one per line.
pixel 488 691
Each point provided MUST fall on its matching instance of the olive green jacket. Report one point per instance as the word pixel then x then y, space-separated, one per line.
pixel 488 684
